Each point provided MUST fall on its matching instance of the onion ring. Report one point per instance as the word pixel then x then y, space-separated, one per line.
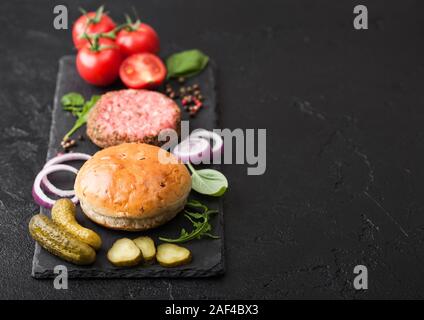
pixel 192 150
pixel 74 156
pixel 218 143
pixel 38 194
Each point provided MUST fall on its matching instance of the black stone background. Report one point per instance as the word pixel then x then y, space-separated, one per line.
pixel 344 113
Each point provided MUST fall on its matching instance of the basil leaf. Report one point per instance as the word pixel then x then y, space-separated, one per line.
pixel 186 63
pixel 72 99
pixel 210 182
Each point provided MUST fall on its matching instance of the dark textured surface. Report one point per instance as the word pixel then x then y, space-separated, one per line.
pixel 208 259
pixel 344 113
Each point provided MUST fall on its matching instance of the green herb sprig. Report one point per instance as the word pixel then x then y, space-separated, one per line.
pixel 76 104
pixel 200 220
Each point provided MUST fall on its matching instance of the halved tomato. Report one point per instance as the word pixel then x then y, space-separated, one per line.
pixel 142 70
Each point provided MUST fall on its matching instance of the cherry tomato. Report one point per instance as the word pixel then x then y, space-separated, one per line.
pixel 138 38
pixel 99 64
pixel 91 23
pixel 142 70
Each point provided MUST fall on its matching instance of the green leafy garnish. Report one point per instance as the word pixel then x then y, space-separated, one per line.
pixel 76 104
pixel 186 63
pixel 208 181
pixel 200 220
pixel 72 100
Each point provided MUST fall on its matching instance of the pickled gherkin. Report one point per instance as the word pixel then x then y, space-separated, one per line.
pixel 172 255
pixel 124 253
pixel 63 214
pixel 57 241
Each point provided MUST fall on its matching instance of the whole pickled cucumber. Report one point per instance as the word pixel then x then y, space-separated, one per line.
pixel 60 243
pixel 63 214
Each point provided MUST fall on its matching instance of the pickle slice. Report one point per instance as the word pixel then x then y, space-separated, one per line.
pixel 147 247
pixel 124 253
pixel 63 214
pixel 59 242
pixel 172 255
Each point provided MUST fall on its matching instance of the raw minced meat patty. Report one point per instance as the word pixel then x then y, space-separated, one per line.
pixel 132 116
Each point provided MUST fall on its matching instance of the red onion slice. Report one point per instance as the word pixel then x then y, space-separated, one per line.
pixel 74 156
pixel 38 194
pixel 218 143
pixel 192 150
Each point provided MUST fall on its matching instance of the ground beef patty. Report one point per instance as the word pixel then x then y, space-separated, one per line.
pixel 131 116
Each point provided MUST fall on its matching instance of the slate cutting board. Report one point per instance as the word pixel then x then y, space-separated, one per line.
pixel 208 255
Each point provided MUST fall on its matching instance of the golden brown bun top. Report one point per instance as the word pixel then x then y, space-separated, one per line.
pixel 129 181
